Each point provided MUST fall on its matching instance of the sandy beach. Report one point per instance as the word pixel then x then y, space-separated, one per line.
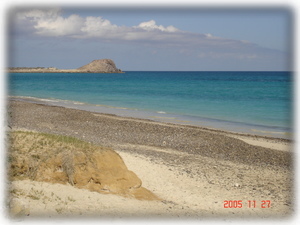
pixel 196 172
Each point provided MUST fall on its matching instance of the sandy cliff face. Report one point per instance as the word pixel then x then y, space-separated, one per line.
pixel 65 160
pixel 100 66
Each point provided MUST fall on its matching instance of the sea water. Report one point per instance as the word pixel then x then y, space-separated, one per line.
pixel 250 102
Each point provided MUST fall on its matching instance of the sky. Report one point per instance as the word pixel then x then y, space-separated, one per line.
pixel 152 39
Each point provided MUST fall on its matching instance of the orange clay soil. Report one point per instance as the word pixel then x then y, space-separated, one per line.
pixel 61 159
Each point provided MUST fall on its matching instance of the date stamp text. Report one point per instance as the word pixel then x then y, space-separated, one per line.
pixel 248 204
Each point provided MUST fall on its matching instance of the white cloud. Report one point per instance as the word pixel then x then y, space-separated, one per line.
pixel 226 55
pixel 59 26
pixel 37 14
pixel 51 23
pixel 151 25
pixel 97 26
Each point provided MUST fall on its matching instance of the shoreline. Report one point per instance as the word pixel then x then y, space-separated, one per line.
pixel 151 132
pixel 194 170
pixel 230 127
pixel 55 71
pixel 253 139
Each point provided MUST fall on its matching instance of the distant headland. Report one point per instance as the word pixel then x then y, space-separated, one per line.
pixel 96 66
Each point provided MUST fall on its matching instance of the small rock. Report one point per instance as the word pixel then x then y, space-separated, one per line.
pixel 18 208
pixel 237 185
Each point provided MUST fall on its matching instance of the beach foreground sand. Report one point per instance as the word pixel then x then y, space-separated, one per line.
pixel 196 172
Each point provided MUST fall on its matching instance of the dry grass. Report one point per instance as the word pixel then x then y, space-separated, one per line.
pixel 27 150
pixel 62 159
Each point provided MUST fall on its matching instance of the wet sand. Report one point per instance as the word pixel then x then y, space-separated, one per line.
pixel 195 170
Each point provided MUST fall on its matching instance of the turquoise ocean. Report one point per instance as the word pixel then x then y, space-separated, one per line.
pixel 249 102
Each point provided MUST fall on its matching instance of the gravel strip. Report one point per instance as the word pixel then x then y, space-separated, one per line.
pixel 110 130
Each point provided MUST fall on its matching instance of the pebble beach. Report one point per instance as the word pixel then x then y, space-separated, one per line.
pixel 194 170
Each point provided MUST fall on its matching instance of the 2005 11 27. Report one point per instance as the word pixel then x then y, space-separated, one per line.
pixel 248 204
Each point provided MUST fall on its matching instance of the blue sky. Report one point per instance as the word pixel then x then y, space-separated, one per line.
pixel 191 39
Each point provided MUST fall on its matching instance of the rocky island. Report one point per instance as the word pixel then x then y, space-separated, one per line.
pixel 96 66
